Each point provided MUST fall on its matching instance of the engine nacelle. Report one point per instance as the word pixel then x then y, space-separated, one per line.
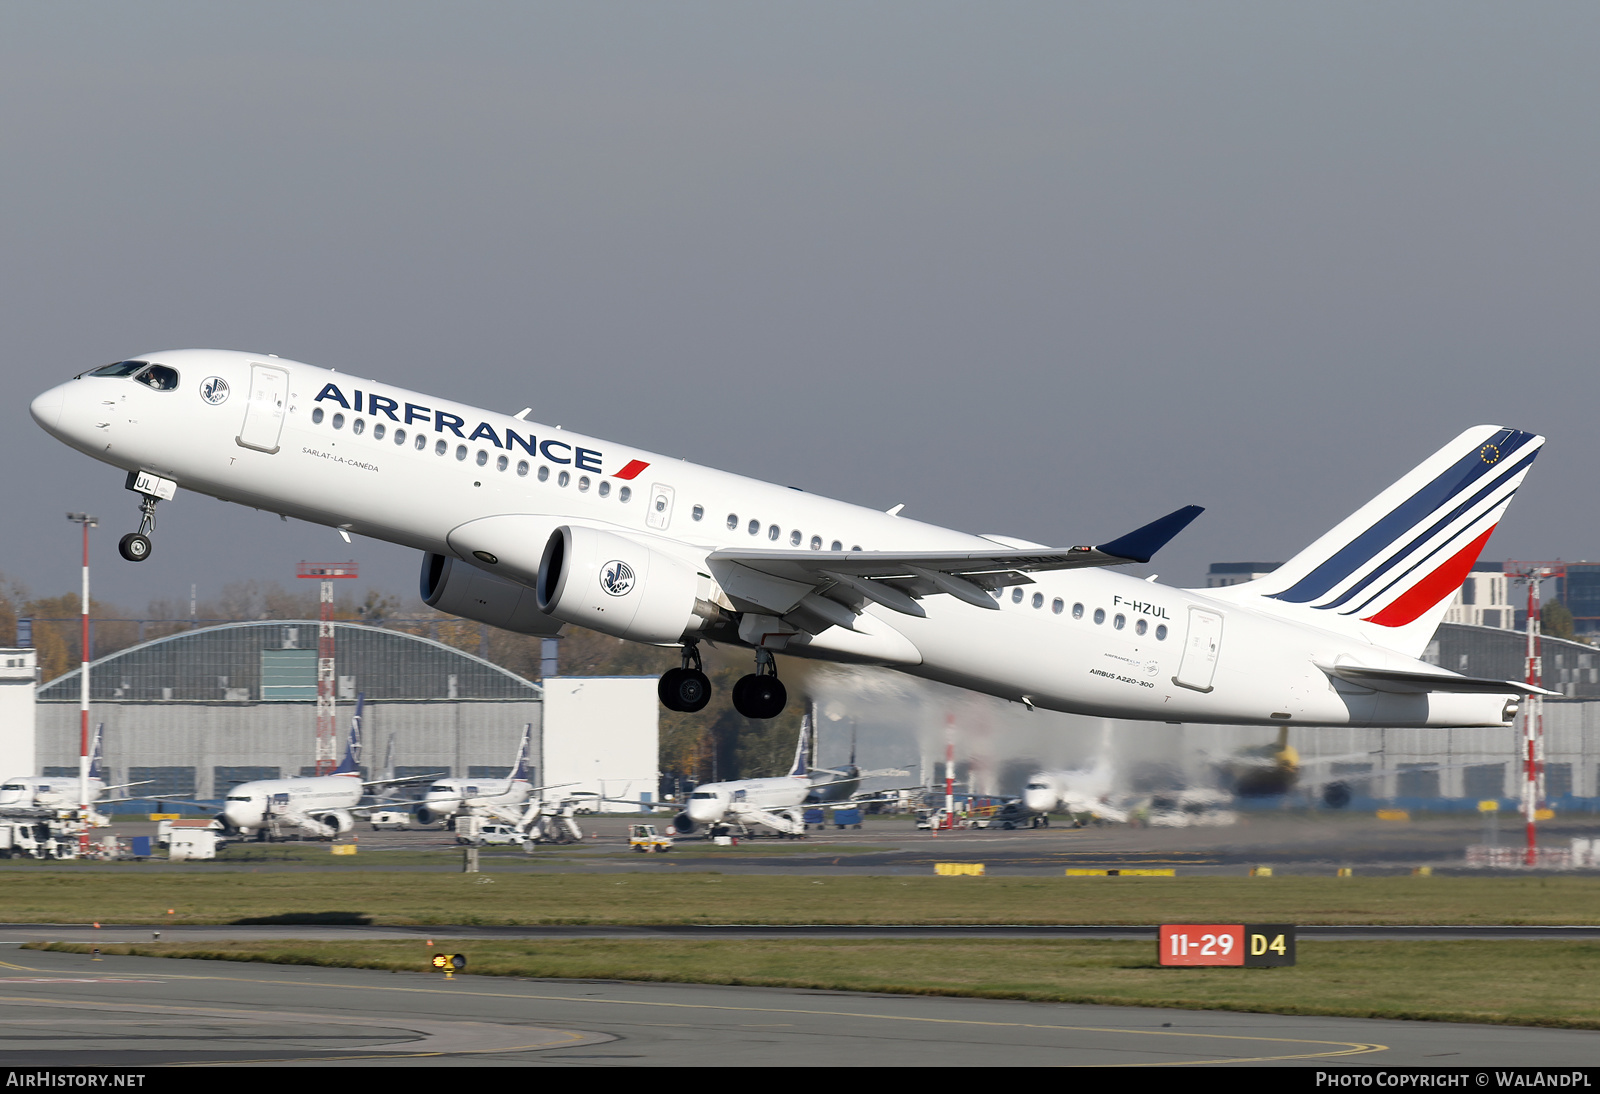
pixel 453 586
pixel 427 815
pixel 616 585
pixel 338 820
pixel 683 824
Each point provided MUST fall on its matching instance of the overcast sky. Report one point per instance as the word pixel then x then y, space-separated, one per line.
pixel 1048 270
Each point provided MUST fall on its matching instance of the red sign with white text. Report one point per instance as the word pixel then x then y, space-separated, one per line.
pixel 1202 944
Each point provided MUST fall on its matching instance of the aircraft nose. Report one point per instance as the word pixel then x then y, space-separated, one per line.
pixel 46 408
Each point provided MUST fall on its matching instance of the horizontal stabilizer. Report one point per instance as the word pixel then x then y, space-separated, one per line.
pixel 1405 682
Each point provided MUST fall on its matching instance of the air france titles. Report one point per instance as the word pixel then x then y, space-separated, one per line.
pixel 1154 611
pixel 584 459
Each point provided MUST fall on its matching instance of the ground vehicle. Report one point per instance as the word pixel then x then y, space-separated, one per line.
pixel 476 830
pixel 644 838
pixel 391 820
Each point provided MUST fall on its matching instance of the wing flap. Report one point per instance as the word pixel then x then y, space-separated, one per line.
pixel 1406 682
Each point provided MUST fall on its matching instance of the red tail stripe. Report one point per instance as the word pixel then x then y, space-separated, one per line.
pixel 632 470
pixel 1409 605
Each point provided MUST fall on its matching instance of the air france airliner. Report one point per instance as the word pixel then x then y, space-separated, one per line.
pixel 528 527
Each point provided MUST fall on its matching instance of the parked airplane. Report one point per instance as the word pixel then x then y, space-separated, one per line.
pixel 49 795
pixel 1091 790
pixel 320 806
pixel 528 527
pixel 505 799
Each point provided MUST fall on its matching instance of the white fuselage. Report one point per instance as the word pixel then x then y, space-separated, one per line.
pixel 447 797
pixel 45 793
pixel 712 803
pixel 250 807
pixel 1088 641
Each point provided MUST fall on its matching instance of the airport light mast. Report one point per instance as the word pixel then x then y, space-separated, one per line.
pixel 1532 748
pixel 86 522
pixel 327 682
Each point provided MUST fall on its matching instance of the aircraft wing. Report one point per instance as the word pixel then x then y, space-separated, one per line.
pixel 407 779
pixel 1407 682
pixel 124 786
pixel 833 586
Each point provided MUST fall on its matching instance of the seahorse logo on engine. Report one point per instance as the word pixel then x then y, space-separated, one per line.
pixel 616 578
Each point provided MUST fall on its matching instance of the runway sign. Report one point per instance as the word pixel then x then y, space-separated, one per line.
pixel 1236 944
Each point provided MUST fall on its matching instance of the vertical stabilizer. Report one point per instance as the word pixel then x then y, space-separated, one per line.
pixel 519 769
pixel 1387 572
pixel 351 764
pixel 802 748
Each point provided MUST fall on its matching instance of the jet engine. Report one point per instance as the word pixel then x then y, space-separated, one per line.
pixel 337 820
pixel 617 585
pixel 425 815
pixel 455 587
pixel 683 824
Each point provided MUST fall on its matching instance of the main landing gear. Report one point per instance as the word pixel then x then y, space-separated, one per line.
pixel 685 689
pixel 761 694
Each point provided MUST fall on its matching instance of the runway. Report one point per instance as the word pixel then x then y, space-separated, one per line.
pixel 68 1010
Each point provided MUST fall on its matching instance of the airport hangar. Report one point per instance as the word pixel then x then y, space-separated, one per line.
pixel 201 711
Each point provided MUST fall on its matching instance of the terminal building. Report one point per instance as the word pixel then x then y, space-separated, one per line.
pixel 196 713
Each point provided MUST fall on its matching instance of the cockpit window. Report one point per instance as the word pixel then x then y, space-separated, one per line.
pixel 121 368
pixel 159 377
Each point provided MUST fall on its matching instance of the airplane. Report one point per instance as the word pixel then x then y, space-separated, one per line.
pixel 319 806
pixel 50 795
pixel 1088 790
pixel 778 802
pixel 529 527
pixel 505 799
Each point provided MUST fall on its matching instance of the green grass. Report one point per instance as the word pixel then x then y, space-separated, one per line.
pixel 1516 982
pixel 76 896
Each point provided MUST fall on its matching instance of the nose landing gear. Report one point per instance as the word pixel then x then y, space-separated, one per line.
pixel 761 694
pixel 136 546
pixel 685 689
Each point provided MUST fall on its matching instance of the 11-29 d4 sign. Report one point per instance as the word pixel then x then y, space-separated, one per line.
pixel 1237 944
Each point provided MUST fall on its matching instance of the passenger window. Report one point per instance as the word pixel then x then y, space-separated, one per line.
pixel 1140 626
pixel 794 538
pixel 583 483
pixel 378 431
pixel 1161 632
pixel 1120 621
pixel 461 451
pixel 563 478
pixel 773 532
pixel 483 458
pixel 422 442
pixel 1038 600
pixel 699 512
pixel 338 421
pixel 816 543
pixel 836 546
pixel 1057 605
pixel 605 488
pixel 1016 595
pixel 502 463
pixel 544 473
pixel 733 521
pixel 316 416
pixel 1099 616
pixel 439 447
pixel 856 547
pixel 399 436
pixel 522 467
pixel 624 494
pixel 358 426
pixel 754 528
pixel 1077 611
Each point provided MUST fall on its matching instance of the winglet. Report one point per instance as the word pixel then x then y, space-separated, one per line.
pixel 1141 544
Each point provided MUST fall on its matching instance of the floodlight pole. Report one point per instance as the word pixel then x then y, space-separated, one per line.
pixel 86 522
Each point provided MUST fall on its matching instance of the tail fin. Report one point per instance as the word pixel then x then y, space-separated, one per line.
pixel 1387 572
pixel 519 769
pixel 96 756
pixel 351 765
pixel 802 748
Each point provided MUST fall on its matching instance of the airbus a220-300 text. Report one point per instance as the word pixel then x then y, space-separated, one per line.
pixel 528 527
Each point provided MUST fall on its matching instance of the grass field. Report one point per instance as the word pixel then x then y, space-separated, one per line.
pixel 275 895
pixel 1518 983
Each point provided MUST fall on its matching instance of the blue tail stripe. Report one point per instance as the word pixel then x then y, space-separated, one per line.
pixel 1433 530
pixel 1458 477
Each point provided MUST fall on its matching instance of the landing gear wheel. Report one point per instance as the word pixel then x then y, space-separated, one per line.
pixel 685 690
pixel 760 697
pixel 135 547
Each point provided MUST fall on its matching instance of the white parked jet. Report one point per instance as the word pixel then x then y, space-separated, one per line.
pixel 527 527
pixel 319 806
pixel 50 795
pixel 505 798
pixel 1090 790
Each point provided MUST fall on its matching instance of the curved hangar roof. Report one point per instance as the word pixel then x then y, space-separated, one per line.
pixel 276 661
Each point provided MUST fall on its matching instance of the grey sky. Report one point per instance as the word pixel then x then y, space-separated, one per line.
pixel 1049 270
